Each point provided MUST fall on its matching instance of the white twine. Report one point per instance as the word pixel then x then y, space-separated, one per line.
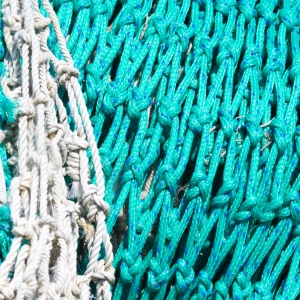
pixel 45 267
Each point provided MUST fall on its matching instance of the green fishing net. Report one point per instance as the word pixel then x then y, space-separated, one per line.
pixel 195 110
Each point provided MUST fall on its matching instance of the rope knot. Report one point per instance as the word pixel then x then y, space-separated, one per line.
pixel 22 37
pixel 78 5
pixel 261 216
pixel 65 72
pixel 184 276
pixel 113 98
pixel 92 196
pixel 76 144
pixel 247 10
pixel 203 46
pixel 167 111
pixel 227 187
pixel 222 289
pixel 252 58
pixel 198 119
pixel 264 293
pixel 100 7
pixel 276 62
pixel 178 33
pixel 229 124
pixel 137 103
pixel 40 22
pixel 133 170
pixel 205 285
pixel 23 229
pixel 254 130
pixel 224 7
pixel 242 287
pixel 102 274
pixel 27 110
pixel 131 15
pixel 288 17
pixel 193 85
pixel 167 180
pixel 244 212
pixel 222 197
pixel 198 186
pixel 265 11
pixel 228 49
pixel 157 275
pixel 93 70
pixel 280 134
pixel 40 98
pixel 6 292
pixel 158 25
pixel 25 181
pixel 48 220
pixel 129 266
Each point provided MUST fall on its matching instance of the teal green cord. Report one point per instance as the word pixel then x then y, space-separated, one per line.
pixel 204 94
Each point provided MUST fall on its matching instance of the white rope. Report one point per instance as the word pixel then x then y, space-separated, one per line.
pixel 46 265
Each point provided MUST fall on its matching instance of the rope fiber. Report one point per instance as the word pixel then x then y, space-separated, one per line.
pixel 150 149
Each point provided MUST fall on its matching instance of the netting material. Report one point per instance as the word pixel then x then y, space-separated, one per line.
pixel 194 107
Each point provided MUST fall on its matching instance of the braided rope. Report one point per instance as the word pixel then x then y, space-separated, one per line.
pixel 194 108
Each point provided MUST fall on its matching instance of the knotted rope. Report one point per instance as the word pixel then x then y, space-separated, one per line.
pixel 190 108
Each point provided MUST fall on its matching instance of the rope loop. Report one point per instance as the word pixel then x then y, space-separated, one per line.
pixel 130 15
pixel 280 134
pixel 244 212
pixel 65 72
pixel 167 179
pixel 156 276
pixel 167 111
pixel 137 104
pixel 228 49
pixel 130 266
pixel 224 7
pixel 221 289
pixel 205 285
pixel 198 186
pixel 275 62
pixel 178 33
pixel 157 25
pixel 198 119
pixel 81 4
pixel 288 17
pixel 229 124
pixel 255 132
pixel 100 7
pixel 265 11
pixel 242 287
pixel 133 170
pixel 247 10
pixel 252 58
pixel 202 46
pixel 184 276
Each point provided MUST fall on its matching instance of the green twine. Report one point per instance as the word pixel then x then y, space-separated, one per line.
pixel 220 82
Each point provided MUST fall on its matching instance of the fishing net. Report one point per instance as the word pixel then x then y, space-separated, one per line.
pixel 150 149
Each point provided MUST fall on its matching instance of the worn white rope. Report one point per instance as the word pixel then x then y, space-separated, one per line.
pixel 46 265
pixel 3 198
